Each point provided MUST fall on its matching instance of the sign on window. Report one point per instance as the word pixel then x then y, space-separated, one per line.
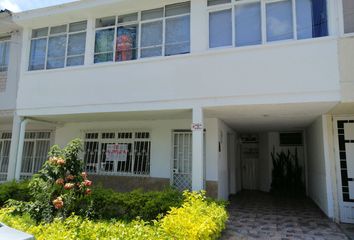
pixel 117 152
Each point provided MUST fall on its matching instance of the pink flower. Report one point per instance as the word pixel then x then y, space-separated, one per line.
pixel 60 181
pixel 61 161
pixel 58 203
pixel 69 186
pixel 84 175
pixel 88 191
pixel 70 177
pixel 87 183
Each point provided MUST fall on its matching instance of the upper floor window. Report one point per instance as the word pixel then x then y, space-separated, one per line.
pixel 4 53
pixel 58 46
pixel 250 22
pixel 348 16
pixel 157 32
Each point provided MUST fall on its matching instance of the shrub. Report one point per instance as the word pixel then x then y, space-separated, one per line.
pixel 196 219
pixel 59 187
pixel 108 204
pixel 14 190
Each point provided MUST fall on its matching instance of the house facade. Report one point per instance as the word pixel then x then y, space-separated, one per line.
pixel 194 94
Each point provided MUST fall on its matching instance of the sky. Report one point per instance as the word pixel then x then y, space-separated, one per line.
pixel 23 5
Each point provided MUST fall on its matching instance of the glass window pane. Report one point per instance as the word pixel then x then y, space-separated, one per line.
pixel 58 29
pixel 216 2
pixel 4 55
pixel 177 35
pixel 177 9
pixel 104 57
pixel 104 40
pixel 152 14
pixel 151 34
pixel 151 52
pixel 128 18
pixel 105 22
pixel 56 52
pixel 37 55
pixel 75 61
pixel 348 13
pixel 304 19
pixel 248 24
pixel 41 32
pixel 279 21
pixel 127 43
pixel 319 16
pixel 220 29
pixel 76 44
pixel 78 26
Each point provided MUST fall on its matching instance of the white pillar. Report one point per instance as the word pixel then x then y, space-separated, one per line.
pixel 90 41
pixel 21 142
pixel 197 149
pixel 199 26
pixel 16 125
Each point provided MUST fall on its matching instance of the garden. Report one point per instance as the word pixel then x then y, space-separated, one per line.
pixel 61 202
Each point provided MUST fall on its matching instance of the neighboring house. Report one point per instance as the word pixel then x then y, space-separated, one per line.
pixel 191 94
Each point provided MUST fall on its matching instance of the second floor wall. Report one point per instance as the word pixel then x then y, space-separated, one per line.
pixel 119 52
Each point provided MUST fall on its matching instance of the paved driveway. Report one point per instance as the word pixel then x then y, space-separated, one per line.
pixel 256 215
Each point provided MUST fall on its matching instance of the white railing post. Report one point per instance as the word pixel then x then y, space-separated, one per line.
pixel 197 150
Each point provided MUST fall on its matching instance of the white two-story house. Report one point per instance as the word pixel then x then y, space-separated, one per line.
pixel 194 94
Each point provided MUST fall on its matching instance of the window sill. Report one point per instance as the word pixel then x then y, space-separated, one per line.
pixel 114 174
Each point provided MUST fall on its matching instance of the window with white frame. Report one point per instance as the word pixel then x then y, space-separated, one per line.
pixel 35 152
pixel 348 16
pixel 4 53
pixel 162 31
pixel 5 144
pixel 58 46
pixel 117 153
pixel 250 22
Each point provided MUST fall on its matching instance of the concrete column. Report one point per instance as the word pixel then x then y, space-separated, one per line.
pixel 199 26
pixel 21 141
pixel 90 41
pixel 16 125
pixel 197 150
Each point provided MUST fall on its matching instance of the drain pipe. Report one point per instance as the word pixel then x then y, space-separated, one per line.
pixel 21 142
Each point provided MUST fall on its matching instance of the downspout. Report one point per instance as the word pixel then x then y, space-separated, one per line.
pixel 21 142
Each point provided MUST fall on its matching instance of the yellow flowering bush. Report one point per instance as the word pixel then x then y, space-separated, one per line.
pixel 197 219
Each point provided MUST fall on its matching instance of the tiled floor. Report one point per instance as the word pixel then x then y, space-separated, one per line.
pixel 256 215
pixel 348 229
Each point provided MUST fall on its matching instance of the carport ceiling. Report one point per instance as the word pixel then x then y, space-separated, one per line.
pixel 272 117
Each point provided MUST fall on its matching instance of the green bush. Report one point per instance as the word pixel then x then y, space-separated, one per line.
pixel 108 204
pixel 197 219
pixel 14 190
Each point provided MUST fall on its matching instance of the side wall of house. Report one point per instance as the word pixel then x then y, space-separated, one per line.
pixel 317 187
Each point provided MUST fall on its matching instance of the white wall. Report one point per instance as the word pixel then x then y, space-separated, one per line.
pixel 223 161
pixel 317 179
pixel 8 97
pixel 265 70
pixel 161 141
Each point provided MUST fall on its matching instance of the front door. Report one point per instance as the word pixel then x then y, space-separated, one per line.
pixel 249 158
pixel 344 138
pixel 182 160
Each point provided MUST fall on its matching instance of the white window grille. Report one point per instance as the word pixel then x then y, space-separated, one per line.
pixel 35 152
pixel 162 31
pixel 237 23
pixel 58 46
pixel 136 160
pixel 5 143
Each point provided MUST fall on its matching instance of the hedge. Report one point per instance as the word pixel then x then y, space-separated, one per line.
pixel 197 219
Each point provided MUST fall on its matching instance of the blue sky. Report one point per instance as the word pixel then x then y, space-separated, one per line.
pixel 23 5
